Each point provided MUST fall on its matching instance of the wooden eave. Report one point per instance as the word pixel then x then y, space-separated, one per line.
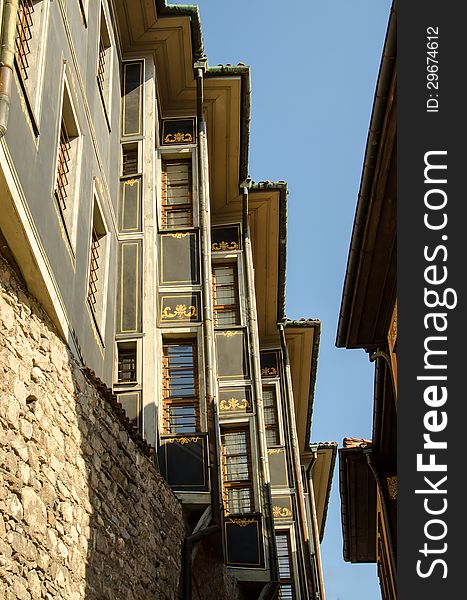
pixel 370 282
pixel 374 292
pixel 303 345
pixel 358 506
pixel 384 419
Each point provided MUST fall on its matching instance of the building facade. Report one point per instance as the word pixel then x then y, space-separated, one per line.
pixel 368 320
pixel 128 210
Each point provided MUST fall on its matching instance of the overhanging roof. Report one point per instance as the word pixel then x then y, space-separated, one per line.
pixel 358 504
pixel 303 338
pixel 322 471
pixel 370 279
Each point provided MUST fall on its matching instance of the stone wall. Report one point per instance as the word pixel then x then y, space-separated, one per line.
pixel 211 578
pixel 84 513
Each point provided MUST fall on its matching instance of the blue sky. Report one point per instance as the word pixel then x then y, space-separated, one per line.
pixel 314 67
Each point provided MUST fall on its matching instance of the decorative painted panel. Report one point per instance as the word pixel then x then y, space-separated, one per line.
pixel 179 258
pixel 244 541
pixel 225 239
pixel 269 363
pixel 184 462
pixel 282 508
pixel 131 402
pixel 235 400
pixel 129 290
pixel 178 131
pixel 132 105
pixel 278 467
pixel 232 357
pixel 130 205
pixel 179 308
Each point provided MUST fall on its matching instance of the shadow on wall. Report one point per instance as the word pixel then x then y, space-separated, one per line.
pixel 85 514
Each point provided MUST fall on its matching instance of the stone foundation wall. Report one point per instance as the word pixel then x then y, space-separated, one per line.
pixel 211 578
pixel 84 514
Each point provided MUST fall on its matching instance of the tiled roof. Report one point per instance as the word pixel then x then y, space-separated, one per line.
pixel 351 442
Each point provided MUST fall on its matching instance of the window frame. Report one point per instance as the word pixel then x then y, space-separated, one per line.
pixel 186 207
pixel 292 580
pixel 278 424
pixel 98 310
pixel 239 427
pixel 219 308
pixel 167 154
pixel 69 223
pixel 124 348
pixel 32 84
pixel 169 401
pixel 105 52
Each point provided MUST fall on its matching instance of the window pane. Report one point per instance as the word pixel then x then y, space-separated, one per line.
pixel 180 388
pixel 130 159
pixel 237 468
pixel 272 438
pixel 126 364
pixel 270 416
pixel 182 419
pixel 237 473
pixel 286 592
pixel 284 556
pixel 24 25
pixel 239 500
pixel 180 374
pixel 226 299
pixel 177 203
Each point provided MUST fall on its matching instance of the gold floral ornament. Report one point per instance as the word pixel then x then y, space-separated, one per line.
pixel 235 404
pixel 281 512
pixel 268 371
pixel 392 486
pixel 131 182
pixel 229 333
pixel 180 312
pixel 275 450
pixel 241 522
pixel 179 234
pixel 178 138
pixel 183 440
pixel 223 246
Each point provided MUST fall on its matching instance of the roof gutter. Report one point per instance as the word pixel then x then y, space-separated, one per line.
pixel 7 57
pixel 385 77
